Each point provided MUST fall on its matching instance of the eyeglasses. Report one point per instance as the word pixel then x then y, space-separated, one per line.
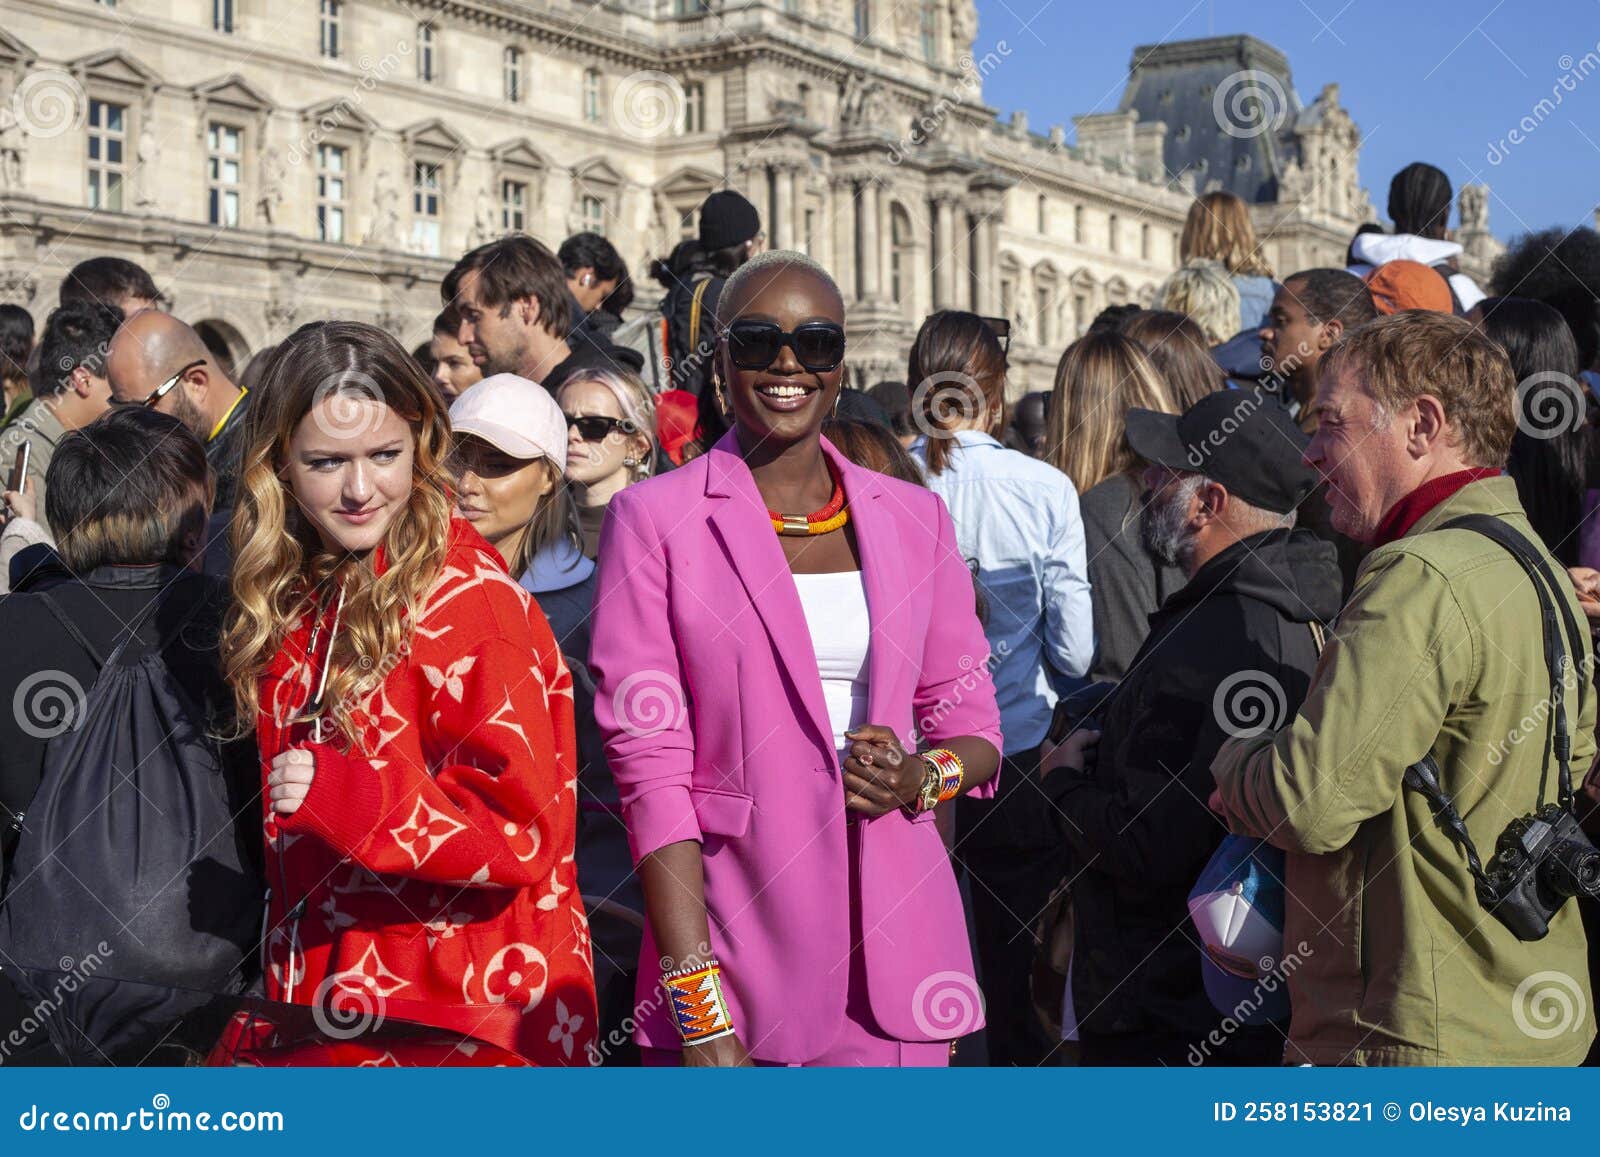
pixel 1001 328
pixel 595 427
pixel 818 345
pixel 167 386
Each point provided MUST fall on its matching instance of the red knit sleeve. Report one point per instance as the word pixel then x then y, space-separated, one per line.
pixel 496 810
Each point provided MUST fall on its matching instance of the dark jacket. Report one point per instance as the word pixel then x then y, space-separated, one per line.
pixel 225 452
pixel 691 353
pixel 48 672
pixel 595 329
pixel 1139 840
pixel 1126 582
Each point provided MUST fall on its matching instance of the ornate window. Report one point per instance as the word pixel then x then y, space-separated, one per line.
pixel 329 21
pixel 333 192
pixel 108 154
pixel 222 15
pixel 591 95
pixel 224 173
pixel 514 206
pixel 694 107
pixel 427 50
pixel 427 207
pixel 513 74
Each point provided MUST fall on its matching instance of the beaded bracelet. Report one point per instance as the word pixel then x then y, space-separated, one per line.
pixel 951 771
pixel 698 1005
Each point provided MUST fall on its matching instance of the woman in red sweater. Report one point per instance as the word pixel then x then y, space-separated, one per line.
pixel 414 718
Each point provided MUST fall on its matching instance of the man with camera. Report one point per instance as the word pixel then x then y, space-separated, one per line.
pixel 1232 649
pixel 1423 791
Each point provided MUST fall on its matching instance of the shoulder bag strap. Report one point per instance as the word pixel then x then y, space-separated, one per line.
pixel 696 308
pixel 1549 590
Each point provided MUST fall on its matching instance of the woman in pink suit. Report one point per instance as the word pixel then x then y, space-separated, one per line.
pixel 790 675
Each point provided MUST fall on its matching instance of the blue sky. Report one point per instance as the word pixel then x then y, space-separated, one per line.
pixel 1440 82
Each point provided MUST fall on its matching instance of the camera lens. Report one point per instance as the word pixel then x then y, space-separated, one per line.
pixel 1573 869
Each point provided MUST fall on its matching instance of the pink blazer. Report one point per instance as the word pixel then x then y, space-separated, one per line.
pixel 708 695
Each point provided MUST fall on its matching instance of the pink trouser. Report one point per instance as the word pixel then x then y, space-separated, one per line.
pixel 860 1041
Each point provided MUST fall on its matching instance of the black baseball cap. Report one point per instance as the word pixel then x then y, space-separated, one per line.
pixel 1243 439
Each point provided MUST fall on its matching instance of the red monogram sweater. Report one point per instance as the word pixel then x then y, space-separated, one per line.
pixel 432 864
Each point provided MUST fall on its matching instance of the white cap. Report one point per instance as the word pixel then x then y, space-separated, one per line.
pixel 514 415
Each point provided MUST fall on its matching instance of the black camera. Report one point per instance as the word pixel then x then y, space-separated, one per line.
pixel 1539 861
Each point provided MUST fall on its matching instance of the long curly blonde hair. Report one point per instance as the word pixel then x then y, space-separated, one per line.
pixel 282 570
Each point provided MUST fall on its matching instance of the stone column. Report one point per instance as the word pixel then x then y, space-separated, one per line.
pixel 785 230
pixel 988 266
pixel 871 243
pixel 945 263
pixel 842 192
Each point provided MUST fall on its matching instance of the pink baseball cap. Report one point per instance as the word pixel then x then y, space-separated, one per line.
pixel 514 415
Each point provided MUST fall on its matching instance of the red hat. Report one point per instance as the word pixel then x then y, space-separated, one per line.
pixel 677 422
pixel 1398 285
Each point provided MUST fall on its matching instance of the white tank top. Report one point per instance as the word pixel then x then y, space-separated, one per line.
pixel 836 615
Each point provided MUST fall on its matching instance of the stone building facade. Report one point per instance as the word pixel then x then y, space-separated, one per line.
pixel 273 163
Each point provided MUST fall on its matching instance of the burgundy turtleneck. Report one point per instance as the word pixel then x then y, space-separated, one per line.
pixel 1407 512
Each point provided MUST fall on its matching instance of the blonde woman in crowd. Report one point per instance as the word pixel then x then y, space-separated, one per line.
pixel 610 416
pixel 1218 228
pixel 1100 377
pixel 1203 292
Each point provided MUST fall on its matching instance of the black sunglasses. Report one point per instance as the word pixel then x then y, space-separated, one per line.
pixel 166 387
pixel 596 427
pixel 1001 328
pixel 818 345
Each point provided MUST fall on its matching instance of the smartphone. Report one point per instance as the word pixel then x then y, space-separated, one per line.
pixel 19 467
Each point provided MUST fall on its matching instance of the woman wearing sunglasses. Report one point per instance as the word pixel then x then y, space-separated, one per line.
pixel 610 416
pixel 791 676
pixel 413 714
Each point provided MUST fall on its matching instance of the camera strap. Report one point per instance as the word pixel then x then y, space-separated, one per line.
pixel 1423 776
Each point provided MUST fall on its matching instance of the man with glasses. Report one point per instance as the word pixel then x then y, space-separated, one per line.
pixel 159 362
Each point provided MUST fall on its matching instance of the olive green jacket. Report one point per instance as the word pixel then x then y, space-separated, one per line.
pixel 1439 650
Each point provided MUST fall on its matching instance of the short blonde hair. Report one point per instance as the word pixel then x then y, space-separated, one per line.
pixel 1218 227
pixel 1203 291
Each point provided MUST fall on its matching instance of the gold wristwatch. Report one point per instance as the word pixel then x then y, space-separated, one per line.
pixel 932 782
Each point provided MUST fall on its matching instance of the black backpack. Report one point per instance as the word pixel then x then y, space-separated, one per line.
pixel 130 851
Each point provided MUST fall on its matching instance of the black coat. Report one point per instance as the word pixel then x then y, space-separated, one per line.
pixel 44 665
pixel 1137 821
pixel 691 353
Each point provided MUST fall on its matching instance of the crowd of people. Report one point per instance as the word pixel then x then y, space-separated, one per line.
pixel 596 685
